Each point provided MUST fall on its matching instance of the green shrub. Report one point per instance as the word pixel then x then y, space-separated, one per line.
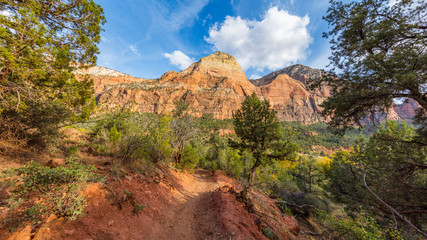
pixel 268 233
pixel 38 191
pixel 154 146
pixel 118 119
pixel 114 135
pixel 361 227
pixel 234 165
pixel 73 150
pixel 189 158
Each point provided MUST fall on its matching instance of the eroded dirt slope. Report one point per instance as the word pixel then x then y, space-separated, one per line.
pixel 178 206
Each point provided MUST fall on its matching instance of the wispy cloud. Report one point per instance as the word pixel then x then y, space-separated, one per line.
pixel 322 59
pixel 277 40
pixel 104 39
pixel 135 51
pixel 255 76
pixel 173 18
pixel 179 59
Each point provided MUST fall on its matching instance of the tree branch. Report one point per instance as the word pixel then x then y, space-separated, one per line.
pixel 393 211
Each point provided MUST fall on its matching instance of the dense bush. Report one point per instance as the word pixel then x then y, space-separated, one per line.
pixel 189 158
pixel 360 227
pixel 392 166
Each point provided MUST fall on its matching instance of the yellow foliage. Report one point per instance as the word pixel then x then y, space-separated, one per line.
pixel 288 165
pixel 324 163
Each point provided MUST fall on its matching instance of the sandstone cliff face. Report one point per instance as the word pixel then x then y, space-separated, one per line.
pixel 291 100
pixel 217 85
pixel 287 92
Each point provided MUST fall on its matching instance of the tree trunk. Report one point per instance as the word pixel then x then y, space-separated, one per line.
pixel 248 188
pixel 309 179
pixel 178 157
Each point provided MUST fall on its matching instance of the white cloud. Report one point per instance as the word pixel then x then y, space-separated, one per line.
pixel 134 49
pixel 276 41
pixel 179 59
pixel 255 76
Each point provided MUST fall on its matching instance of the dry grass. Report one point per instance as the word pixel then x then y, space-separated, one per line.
pixel 14 151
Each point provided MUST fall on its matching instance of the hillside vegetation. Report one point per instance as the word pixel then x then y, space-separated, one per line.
pixel 76 166
pixel 314 186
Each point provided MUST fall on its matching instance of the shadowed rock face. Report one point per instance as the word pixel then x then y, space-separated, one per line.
pixel 214 85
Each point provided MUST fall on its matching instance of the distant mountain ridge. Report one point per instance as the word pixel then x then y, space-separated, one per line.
pixel 217 85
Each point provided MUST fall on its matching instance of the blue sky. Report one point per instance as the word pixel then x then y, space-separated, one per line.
pixel 146 38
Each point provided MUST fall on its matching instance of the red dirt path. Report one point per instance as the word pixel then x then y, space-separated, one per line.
pixel 179 206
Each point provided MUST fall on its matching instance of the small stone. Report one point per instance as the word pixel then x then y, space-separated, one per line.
pixel 110 223
pixel 56 162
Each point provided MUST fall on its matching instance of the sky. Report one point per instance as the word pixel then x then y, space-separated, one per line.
pixel 146 38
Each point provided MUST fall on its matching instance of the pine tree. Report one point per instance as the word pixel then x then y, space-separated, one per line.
pixel 41 43
pixel 378 48
pixel 260 132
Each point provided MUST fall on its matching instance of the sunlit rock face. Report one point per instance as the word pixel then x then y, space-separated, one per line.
pixel 216 85
pixel 287 92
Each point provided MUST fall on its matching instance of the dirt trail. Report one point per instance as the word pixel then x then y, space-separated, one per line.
pixel 192 216
pixel 179 206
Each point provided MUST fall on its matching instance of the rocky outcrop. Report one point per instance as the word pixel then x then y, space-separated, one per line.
pixel 407 109
pixel 217 85
pixel 291 100
pixel 287 92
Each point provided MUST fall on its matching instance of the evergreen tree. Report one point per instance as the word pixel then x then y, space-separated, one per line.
pixel 259 132
pixel 379 50
pixel 42 42
pixel 390 166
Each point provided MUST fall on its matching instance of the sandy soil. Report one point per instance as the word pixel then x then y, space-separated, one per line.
pixel 190 217
pixel 178 206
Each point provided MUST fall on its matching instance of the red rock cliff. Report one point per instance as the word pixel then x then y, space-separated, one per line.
pixel 215 85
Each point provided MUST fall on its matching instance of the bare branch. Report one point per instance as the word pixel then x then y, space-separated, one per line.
pixel 393 211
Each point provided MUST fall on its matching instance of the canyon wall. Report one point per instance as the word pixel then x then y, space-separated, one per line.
pixel 217 85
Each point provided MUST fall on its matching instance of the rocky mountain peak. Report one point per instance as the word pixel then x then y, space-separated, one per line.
pixel 217 85
pixel 100 71
pixel 299 72
pixel 222 58
pixel 218 66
